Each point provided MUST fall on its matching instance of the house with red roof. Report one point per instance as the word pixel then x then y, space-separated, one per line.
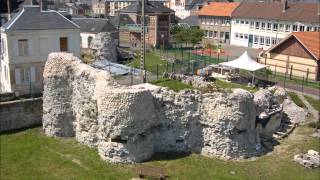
pixel 215 20
pixel 297 54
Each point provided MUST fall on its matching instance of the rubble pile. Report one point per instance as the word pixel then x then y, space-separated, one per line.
pixel 309 160
pixel 130 124
pixel 195 81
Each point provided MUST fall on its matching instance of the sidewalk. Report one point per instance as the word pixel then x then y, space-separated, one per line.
pixel 315 93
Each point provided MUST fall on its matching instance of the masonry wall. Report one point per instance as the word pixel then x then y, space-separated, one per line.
pixel 282 64
pixel 20 114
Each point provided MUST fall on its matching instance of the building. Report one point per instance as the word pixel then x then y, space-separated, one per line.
pixel 100 8
pixel 158 20
pixel 263 24
pixel 215 20
pixel 185 8
pixel 298 54
pixel 90 27
pixel 26 41
pixel 190 21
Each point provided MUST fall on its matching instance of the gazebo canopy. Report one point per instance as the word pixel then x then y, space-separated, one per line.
pixel 244 62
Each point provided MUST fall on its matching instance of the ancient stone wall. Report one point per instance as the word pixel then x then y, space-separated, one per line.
pixel 130 124
pixel 20 114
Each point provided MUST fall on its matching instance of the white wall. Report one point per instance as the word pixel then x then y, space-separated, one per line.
pixel 240 28
pixel 4 66
pixel 84 39
pixel 40 44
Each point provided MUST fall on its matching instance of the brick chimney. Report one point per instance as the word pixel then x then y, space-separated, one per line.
pixel 284 5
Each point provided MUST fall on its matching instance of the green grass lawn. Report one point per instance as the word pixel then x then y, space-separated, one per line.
pixel 171 84
pixel 296 99
pixel 151 61
pixel 30 154
pixel 314 102
pixel 228 85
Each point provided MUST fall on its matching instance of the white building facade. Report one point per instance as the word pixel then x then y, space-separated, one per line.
pixel 25 49
pixel 261 33
pixel 264 24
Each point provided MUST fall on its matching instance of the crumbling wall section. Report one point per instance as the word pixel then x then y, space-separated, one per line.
pixel 130 124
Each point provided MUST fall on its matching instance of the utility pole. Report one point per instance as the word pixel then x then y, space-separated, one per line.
pixel 142 46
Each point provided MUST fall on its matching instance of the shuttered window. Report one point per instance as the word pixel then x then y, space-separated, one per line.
pixel 23 47
pixel 63 44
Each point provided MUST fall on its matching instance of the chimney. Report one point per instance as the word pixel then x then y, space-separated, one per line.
pixel 284 5
pixel 9 9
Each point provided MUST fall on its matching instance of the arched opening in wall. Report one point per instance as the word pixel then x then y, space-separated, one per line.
pixel 89 40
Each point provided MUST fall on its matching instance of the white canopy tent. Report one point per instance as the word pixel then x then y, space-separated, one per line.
pixel 245 62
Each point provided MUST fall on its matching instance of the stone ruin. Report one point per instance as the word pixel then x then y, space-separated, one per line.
pixel 130 123
pixel 104 47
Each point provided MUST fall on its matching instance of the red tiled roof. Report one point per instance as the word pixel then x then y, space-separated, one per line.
pixel 311 41
pixel 218 9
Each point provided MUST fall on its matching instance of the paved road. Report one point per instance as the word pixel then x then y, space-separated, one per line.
pixel 298 88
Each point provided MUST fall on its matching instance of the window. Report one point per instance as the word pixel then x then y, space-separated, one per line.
pixel 308 28
pixel 215 34
pixel 25 75
pixel 237 21
pixel 212 21
pixel 228 21
pixel 242 21
pixel 245 36
pixel 294 28
pixel 257 25
pixel 275 27
pixel 3 46
pixel 247 22
pixel 223 21
pixel 5 73
pixel 268 26
pixel 236 35
pixel 23 47
pixel 301 28
pixel 281 27
pixel 89 41
pixel 203 20
pixel 263 26
pixel 256 39
pixel 241 36
pixel 210 34
pixel 251 24
pixel 288 27
pixel 268 41
pixel 274 41
pixel 261 40
pixel 63 44
pixel 216 22
pixel 221 35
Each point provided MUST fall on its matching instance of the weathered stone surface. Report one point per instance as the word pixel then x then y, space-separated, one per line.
pixel 104 47
pixel 129 124
pixel 269 112
pixel 20 114
pixel 309 160
pixel 294 113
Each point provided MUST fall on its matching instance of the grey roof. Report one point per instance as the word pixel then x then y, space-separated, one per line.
pixel 192 20
pixel 121 19
pixel 150 7
pixel 94 25
pixel 31 18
